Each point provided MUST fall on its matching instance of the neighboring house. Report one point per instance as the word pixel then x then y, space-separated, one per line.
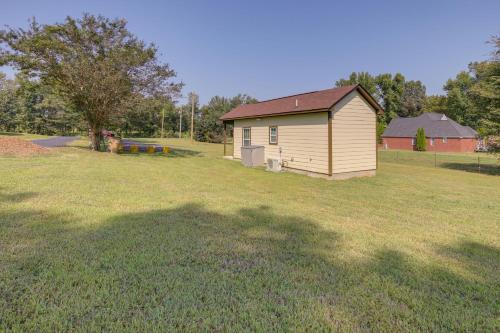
pixel 330 133
pixel 442 134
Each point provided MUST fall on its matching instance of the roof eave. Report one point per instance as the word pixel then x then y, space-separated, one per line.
pixel 286 113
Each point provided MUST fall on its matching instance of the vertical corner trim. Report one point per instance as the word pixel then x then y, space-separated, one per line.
pixel 330 144
pixel 225 138
pixel 376 143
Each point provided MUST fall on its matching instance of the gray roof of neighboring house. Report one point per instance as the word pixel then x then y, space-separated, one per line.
pixel 434 125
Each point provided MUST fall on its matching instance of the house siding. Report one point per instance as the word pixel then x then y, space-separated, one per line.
pixel 354 135
pixel 303 139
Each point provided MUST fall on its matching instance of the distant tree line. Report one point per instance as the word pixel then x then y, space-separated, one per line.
pixel 472 98
pixel 30 106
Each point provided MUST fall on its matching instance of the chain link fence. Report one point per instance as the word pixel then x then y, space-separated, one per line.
pixel 471 162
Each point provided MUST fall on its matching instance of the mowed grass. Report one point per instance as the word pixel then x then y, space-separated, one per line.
pixel 192 242
pixel 25 136
pixel 470 162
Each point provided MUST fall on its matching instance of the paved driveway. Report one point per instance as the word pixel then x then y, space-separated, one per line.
pixel 59 141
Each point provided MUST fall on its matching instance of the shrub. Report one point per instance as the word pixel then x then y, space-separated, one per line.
pixel 493 145
pixel 380 130
pixel 421 144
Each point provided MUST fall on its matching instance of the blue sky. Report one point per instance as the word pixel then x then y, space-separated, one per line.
pixel 274 48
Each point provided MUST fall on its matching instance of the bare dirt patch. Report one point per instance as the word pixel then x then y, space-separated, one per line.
pixel 19 147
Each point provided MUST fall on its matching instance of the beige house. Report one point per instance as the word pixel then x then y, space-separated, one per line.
pixel 329 133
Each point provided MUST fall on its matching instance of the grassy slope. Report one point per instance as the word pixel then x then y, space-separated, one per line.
pixel 93 241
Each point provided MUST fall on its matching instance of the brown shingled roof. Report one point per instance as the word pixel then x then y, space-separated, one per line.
pixel 314 101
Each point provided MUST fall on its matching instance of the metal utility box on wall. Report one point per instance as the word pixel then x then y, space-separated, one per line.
pixel 252 156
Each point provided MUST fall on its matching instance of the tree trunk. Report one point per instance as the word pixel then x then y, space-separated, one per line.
pixel 95 140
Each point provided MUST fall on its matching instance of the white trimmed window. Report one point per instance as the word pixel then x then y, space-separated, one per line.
pixel 432 141
pixel 247 136
pixel 445 139
pixel 413 141
pixel 273 135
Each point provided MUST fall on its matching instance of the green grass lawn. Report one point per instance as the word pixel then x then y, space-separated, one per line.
pixel 471 162
pixel 24 136
pixel 192 242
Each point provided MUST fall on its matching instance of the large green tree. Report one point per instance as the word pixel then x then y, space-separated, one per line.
pixel 486 91
pixel 365 79
pixel 386 88
pixel 459 102
pixel 40 110
pixel 436 103
pixel 8 119
pixel 142 118
pixel 413 99
pixel 29 106
pixel 473 96
pixel 94 62
pixel 209 128
pixel 391 89
pixel 486 95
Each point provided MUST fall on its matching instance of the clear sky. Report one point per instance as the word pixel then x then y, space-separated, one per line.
pixel 274 48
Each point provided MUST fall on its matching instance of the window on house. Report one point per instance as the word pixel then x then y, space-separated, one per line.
pixel 445 140
pixel 432 141
pixel 247 135
pixel 413 141
pixel 273 135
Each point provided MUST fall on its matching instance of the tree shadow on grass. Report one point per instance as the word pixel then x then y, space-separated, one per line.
pixel 15 197
pixel 488 169
pixel 173 153
pixel 431 297
pixel 190 269
pixel 482 259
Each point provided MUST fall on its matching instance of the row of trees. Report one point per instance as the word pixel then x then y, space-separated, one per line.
pixel 29 106
pixel 33 107
pixel 472 98
pixel 400 98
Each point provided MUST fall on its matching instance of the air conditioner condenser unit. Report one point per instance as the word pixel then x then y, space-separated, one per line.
pixel 273 164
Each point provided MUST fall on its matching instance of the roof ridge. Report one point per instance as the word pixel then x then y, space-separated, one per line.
pixel 306 93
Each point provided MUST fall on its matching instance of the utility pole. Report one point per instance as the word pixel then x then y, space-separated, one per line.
pixel 162 119
pixel 192 115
